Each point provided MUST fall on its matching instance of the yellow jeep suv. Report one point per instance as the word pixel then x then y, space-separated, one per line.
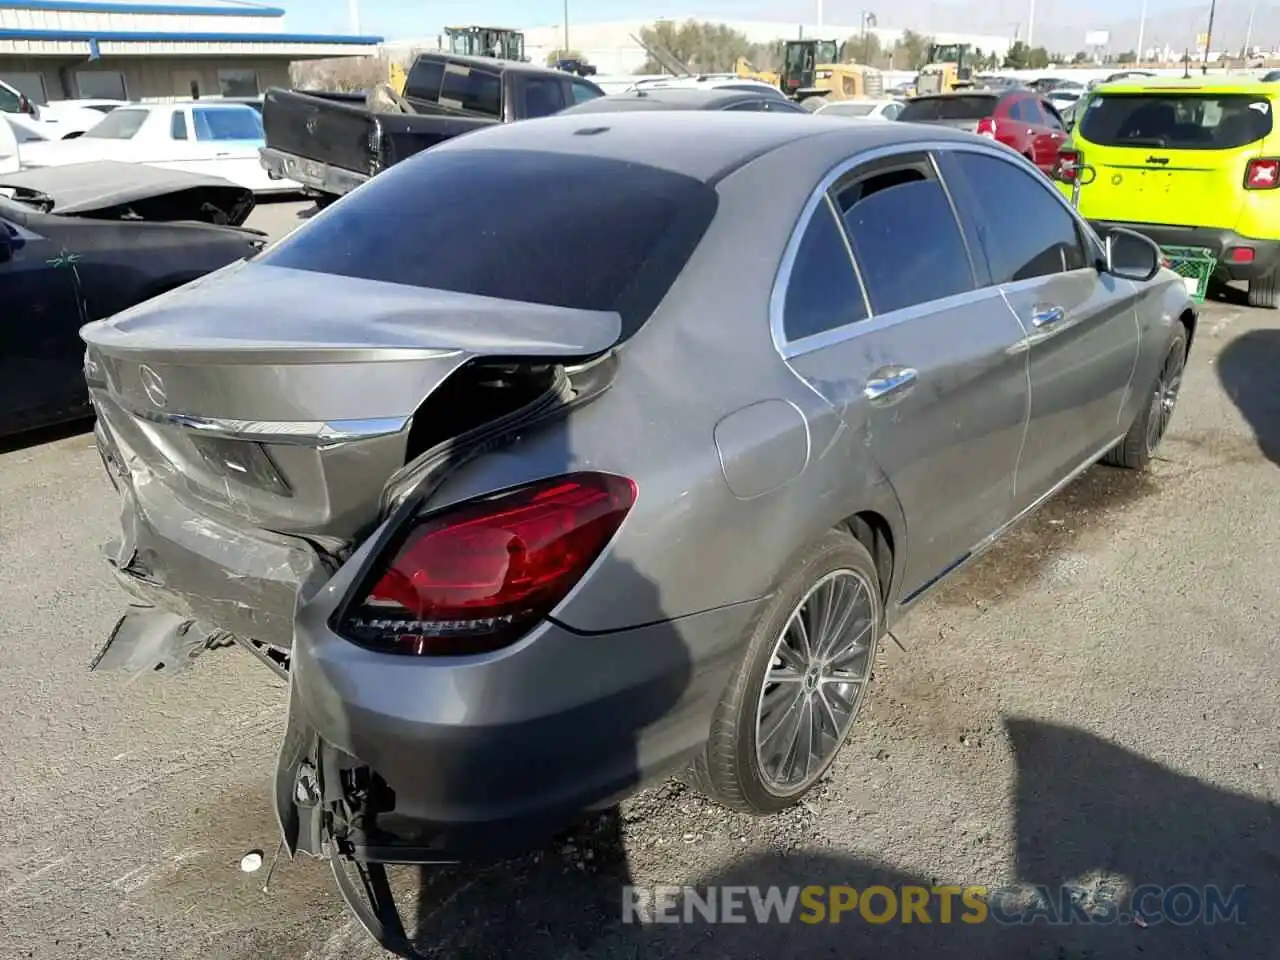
pixel 1188 163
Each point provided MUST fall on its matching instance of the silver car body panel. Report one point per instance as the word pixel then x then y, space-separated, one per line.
pixel 628 668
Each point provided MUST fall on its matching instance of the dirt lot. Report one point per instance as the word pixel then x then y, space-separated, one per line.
pixel 1097 698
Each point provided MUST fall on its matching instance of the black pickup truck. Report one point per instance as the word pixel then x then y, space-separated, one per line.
pixel 333 142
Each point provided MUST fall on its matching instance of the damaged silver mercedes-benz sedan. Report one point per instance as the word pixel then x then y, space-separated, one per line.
pixel 577 451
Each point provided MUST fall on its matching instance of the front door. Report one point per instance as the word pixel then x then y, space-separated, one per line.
pixel 1082 329
pixel 928 377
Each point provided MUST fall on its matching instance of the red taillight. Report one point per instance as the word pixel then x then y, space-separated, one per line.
pixel 986 127
pixel 1262 173
pixel 1067 168
pixel 1240 254
pixel 478 576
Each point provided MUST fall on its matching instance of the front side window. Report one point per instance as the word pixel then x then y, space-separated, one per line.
pixel 510 225
pixel 823 292
pixel 227 123
pixel 778 105
pixel 905 238
pixel 10 101
pixel 542 96
pixel 119 124
pixel 424 80
pixel 754 106
pixel 1176 121
pixel 474 90
pixel 1043 239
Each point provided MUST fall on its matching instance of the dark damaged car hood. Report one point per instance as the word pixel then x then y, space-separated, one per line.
pixel 110 190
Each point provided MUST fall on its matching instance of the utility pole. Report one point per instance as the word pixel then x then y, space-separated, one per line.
pixel 1031 23
pixel 566 27
pixel 1208 37
pixel 1248 32
pixel 353 16
pixel 819 14
pixel 1142 29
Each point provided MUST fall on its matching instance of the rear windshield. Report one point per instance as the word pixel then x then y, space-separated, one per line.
pixel 967 107
pixel 118 125
pixel 565 230
pixel 1176 121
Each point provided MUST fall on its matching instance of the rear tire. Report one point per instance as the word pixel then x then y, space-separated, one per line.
pixel 796 695
pixel 1262 291
pixel 1139 445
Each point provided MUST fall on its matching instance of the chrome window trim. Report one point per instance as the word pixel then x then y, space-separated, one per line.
pixel 873 322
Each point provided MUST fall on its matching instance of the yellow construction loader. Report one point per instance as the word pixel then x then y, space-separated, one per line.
pixel 950 67
pixel 744 69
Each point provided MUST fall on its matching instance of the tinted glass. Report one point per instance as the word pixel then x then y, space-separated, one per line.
pixel 1041 240
pixel 512 226
pixel 582 92
pixel 973 106
pixel 778 105
pixel 9 101
pixel 1052 118
pixel 227 123
pixel 423 82
pixel 118 125
pixel 473 90
pixel 907 242
pixel 1176 121
pixel 754 105
pixel 178 125
pixel 541 96
pixel 823 291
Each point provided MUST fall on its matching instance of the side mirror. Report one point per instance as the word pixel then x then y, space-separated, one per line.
pixel 1131 256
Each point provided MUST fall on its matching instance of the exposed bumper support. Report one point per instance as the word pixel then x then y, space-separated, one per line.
pixel 312 174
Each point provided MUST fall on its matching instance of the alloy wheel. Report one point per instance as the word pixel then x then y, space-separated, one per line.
pixel 1165 397
pixel 816 681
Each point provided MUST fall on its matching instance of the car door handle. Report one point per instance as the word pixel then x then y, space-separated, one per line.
pixel 889 381
pixel 1045 316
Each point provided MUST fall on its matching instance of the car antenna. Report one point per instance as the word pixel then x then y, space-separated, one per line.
pixel 665 58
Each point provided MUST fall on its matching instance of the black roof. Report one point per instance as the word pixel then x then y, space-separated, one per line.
pixel 668 98
pixel 488 63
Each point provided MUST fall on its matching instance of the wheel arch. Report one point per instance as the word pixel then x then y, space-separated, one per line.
pixel 874 532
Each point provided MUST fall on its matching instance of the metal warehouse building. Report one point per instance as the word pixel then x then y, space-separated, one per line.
pixel 177 49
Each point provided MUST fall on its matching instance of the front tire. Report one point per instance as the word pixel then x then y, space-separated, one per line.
pixel 1262 291
pixel 795 697
pixel 1139 445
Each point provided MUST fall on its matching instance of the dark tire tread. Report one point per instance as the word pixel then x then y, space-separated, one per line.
pixel 1262 292
pixel 1131 453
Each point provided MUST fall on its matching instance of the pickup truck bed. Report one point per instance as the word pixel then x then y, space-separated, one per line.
pixel 331 143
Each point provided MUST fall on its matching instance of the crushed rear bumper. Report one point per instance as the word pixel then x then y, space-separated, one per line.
pixel 1266 253
pixel 396 759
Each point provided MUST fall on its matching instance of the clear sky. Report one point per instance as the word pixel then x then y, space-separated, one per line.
pixel 410 19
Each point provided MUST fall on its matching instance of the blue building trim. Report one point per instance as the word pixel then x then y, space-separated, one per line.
pixel 107 6
pixel 129 36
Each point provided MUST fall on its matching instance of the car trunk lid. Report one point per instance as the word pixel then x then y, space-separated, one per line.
pixel 251 442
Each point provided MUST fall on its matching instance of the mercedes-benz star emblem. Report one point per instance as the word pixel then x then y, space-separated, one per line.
pixel 153 386
pixel 311 125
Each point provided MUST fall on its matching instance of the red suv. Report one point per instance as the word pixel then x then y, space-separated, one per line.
pixel 1017 118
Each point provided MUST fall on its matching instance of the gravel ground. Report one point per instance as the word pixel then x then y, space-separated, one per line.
pixel 1095 699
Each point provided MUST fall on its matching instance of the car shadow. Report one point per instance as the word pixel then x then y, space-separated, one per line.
pixel 42 435
pixel 1089 814
pixel 1248 368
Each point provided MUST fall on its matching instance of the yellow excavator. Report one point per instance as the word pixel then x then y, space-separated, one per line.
pixel 950 67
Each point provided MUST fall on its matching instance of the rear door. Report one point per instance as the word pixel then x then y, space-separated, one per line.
pixel 1170 155
pixel 1082 328
pixel 920 356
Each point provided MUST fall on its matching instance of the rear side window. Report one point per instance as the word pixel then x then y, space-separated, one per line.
pixel 474 90
pixel 1041 240
pixel 823 291
pixel 229 123
pixel 906 239
pixel 520 226
pixel 1176 121
pixel 582 92
pixel 423 82
pixel 963 107
pixel 178 125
